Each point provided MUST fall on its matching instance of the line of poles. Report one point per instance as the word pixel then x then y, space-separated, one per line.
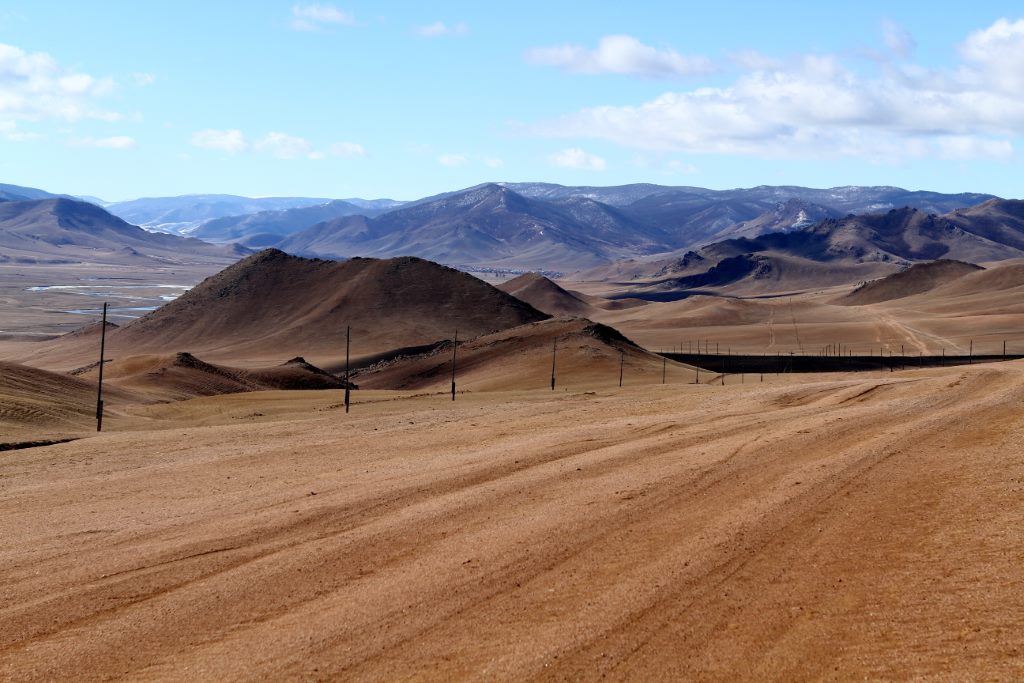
pixel 829 350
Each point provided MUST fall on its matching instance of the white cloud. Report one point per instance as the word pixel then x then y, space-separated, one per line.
pixel 230 141
pixel 620 54
pixel 819 106
pixel 453 159
pixel 284 146
pixel 493 162
pixel 439 28
pixel 33 87
pixel 996 55
pixel 113 142
pixel 348 150
pixel 965 147
pixel 898 39
pixel 314 17
pixel 143 79
pixel 575 157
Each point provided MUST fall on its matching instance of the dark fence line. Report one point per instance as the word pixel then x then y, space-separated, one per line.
pixel 781 363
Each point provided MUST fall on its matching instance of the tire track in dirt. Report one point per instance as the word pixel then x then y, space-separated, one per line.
pixel 627 535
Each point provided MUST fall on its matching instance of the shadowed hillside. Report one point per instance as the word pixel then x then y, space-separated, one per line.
pixel 588 355
pixel 919 278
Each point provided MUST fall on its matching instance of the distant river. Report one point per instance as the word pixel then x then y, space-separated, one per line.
pixel 137 299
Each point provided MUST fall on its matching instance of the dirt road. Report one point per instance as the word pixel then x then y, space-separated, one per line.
pixel 842 529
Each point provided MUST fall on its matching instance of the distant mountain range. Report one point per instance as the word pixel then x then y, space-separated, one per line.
pixel 183 215
pixel 60 230
pixel 832 251
pixel 16 193
pixel 488 225
pixel 542 226
pixel 271 227
pixel 537 226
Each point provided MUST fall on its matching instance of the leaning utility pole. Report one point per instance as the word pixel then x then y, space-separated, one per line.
pixel 554 349
pixel 455 346
pixel 622 361
pixel 348 385
pixel 99 389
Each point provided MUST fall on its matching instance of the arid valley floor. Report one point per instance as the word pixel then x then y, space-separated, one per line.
pixel 778 527
pixel 820 528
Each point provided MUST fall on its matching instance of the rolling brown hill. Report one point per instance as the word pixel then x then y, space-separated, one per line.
pixel 272 305
pixel 998 278
pixel 38 404
pixel 182 376
pixel 998 220
pixel 588 355
pixel 917 279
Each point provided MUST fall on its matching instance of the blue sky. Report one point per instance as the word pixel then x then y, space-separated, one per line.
pixel 402 100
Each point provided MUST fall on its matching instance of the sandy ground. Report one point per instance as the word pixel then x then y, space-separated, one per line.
pixel 813 529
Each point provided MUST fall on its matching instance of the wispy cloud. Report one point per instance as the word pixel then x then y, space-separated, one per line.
pixel 276 144
pixel 439 29
pixel 231 141
pixel 453 159
pixel 143 79
pixel 112 142
pixel 315 17
pixel 821 106
pixel 347 150
pixel 620 54
pixel 9 131
pixel 577 158
pixel 897 38
pixel 284 146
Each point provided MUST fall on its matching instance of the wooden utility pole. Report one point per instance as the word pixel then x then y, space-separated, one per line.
pixel 554 349
pixel 970 357
pixel 455 346
pixel 664 362
pixel 622 362
pixel 348 384
pixel 99 388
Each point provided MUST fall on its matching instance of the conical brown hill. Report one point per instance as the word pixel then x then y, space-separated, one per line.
pixel 272 304
pixel 587 356
pixel 545 295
